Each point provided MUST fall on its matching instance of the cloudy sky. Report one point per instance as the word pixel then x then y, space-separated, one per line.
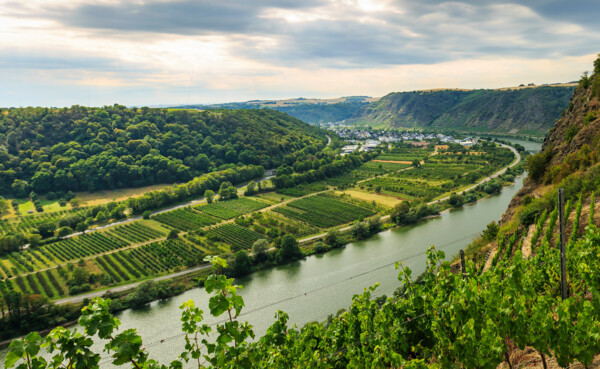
pixel 145 52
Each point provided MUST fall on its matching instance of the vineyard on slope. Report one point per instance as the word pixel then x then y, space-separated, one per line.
pixel 441 319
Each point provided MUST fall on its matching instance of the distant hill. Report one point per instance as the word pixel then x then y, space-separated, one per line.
pixel 313 111
pixel 82 148
pixel 526 110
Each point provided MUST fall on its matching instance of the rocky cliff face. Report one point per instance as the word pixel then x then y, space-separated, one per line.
pixel 571 148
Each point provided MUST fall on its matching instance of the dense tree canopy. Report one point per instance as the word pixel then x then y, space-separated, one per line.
pixel 87 149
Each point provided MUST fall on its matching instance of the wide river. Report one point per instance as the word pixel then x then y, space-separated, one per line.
pixel 311 289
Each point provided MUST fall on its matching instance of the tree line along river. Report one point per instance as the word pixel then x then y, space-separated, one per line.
pixel 313 288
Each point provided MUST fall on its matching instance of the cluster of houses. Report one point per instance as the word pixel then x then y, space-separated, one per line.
pixel 364 140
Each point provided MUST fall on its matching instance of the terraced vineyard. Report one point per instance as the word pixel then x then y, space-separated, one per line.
pixel 59 252
pixel 41 283
pixel 25 223
pixel 323 211
pixel 405 154
pixel 186 219
pixel 235 236
pixel 231 208
pixel 82 246
pixel 135 232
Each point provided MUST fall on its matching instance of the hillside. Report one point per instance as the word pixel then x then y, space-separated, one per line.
pixel 520 110
pixel 88 149
pixel 313 111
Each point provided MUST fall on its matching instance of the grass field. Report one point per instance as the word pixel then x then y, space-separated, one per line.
pixel 104 197
pixel 369 197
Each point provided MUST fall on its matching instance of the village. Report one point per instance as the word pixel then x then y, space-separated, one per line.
pixel 368 140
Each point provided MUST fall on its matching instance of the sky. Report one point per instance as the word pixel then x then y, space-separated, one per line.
pixel 146 52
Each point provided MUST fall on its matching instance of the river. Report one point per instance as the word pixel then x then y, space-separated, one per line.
pixel 320 285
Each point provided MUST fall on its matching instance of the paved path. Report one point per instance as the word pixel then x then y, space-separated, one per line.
pixel 127 287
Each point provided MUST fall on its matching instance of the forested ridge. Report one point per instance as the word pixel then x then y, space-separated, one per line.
pixel 529 110
pixel 88 149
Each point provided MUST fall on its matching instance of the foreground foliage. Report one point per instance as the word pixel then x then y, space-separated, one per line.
pixel 440 320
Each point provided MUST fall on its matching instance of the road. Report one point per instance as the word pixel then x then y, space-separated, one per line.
pixel 127 287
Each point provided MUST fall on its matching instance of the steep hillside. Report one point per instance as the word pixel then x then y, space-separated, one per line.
pixel 570 154
pixel 524 110
pixel 82 148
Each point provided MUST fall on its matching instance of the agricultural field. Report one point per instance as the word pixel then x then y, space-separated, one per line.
pixel 235 236
pixel 440 174
pixel 186 219
pixel 115 268
pixel 408 154
pixel 274 224
pixel 231 208
pixel 323 211
pixel 27 222
pixel 59 252
pixel 149 260
pixel 135 232
pixel 374 167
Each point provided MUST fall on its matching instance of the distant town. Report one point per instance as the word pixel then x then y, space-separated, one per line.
pixel 368 140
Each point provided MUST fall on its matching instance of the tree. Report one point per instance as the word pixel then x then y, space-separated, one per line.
pixel 239 264
pixel 456 200
pixel 360 230
pixel 81 227
pixel 34 240
pixel 100 217
pixel 259 250
pixel 209 195
pixel 250 189
pixel 146 214
pixel 47 229
pixel 491 231
pixel 75 202
pixel 4 206
pixel 334 239
pixel 20 188
pixel 173 233
pixel 289 249
pixel 64 231
pixel 416 163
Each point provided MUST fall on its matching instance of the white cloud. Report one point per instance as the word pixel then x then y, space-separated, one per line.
pixel 211 51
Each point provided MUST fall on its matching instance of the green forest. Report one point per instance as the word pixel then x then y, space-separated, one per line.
pixel 88 149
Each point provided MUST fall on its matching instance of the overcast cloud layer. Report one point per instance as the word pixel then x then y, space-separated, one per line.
pixel 59 53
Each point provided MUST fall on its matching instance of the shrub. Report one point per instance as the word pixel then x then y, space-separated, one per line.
pixel 146 214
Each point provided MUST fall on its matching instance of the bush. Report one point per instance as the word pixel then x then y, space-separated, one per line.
pixel 173 233
pixel 537 164
pixel 77 289
pixel 146 214
pixel 320 247
pixel 529 212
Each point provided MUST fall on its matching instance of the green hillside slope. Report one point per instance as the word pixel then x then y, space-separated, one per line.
pixel 82 148
pixel 524 111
